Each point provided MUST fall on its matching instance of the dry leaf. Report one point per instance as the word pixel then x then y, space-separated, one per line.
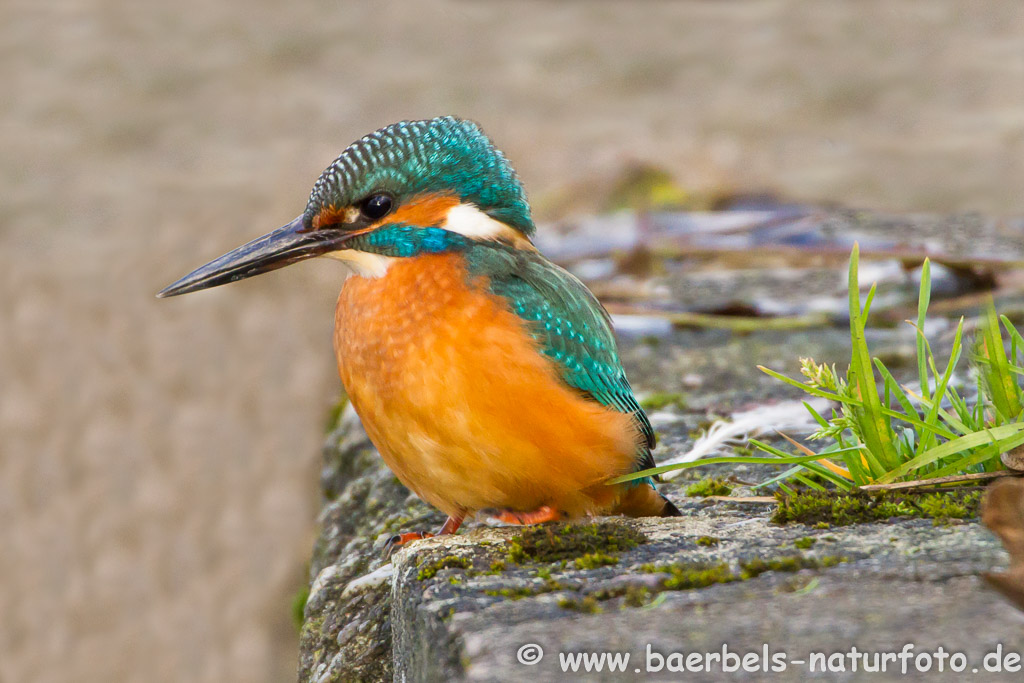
pixel 1003 513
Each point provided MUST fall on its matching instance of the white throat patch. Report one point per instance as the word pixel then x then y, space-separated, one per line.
pixel 362 263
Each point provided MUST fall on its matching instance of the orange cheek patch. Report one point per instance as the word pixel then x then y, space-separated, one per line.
pixel 425 210
pixel 332 215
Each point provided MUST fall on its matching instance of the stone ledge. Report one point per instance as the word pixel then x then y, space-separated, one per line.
pixel 905 581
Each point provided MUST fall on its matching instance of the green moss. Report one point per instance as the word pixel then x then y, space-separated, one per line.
pixel 588 605
pixel 943 507
pixel 680 576
pixel 662 399
pixel 707 541
pixel 651 341
pixel 334 414
pixel 312 628
pixel 787 563
pixel 399 522
pixel 562 542
pixel 824 509
pixel 497 567
pixel 686 576
pixel 832 560
pixel 637 596
pixel 595 560
pixel 454 580
pixel 648 188
pixel 299 607
pixel 804 542
pixel 709 487
pixel 430 570
pixel 544 573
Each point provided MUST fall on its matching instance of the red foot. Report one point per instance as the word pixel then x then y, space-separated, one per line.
pixel 544 513
pixel 402 539
pixel 450 526
pixel 398 540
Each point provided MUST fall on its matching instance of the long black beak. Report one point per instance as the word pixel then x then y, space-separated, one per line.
pixel 286 245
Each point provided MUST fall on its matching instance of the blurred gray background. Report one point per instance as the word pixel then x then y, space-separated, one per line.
pixel 159 459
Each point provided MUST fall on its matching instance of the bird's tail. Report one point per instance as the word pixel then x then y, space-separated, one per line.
pixel 645 501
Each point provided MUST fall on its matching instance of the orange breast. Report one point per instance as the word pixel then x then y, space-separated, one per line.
pixel 460 402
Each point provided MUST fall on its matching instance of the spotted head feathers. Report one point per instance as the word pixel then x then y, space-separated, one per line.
pixel 444 155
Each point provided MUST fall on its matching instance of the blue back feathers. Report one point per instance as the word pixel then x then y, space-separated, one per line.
pixel 569 324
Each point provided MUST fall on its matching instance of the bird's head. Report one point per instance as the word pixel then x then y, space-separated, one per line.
pixel 411 188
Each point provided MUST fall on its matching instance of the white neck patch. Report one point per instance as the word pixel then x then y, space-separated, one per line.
pixel 471 222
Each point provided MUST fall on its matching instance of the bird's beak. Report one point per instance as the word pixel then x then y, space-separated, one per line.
pixel 286 245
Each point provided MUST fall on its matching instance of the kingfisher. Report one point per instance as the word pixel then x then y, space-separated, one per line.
pixel 486 376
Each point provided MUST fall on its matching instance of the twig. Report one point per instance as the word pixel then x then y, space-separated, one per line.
pixel 952 479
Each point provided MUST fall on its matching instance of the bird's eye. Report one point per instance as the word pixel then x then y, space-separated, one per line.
pixel 376 206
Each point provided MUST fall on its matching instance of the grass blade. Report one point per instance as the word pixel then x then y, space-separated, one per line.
pixel 958 445
pixel 874 426
pixel 923 299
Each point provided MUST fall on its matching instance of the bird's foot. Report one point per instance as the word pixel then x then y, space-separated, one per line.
pixel 450 526
pixel 545 513
pixel 398 540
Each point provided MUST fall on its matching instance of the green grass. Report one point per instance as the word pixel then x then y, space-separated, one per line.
pixel 884 432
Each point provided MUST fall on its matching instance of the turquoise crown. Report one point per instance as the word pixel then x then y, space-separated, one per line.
pixel 445 154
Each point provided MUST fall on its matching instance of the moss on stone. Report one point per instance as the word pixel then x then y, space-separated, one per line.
pixel 662 399
pixel 587 605
pixel 637 596
pixel 299 607
pixel 555 543
pixel 706 541
pixel 750 569
pixel 334 414
pixel 430 569
pixel 690 575
pixel 708 487
pixel 943 506
pixel 823 509
pixel 832 560
pixel 595 560
pixel 804 543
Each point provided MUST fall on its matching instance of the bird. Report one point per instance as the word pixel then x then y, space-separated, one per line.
pixel 486 376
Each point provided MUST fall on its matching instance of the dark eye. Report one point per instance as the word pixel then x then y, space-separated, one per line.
pixel 376 206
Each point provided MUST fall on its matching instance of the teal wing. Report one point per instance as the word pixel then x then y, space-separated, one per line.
pixel 571 326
